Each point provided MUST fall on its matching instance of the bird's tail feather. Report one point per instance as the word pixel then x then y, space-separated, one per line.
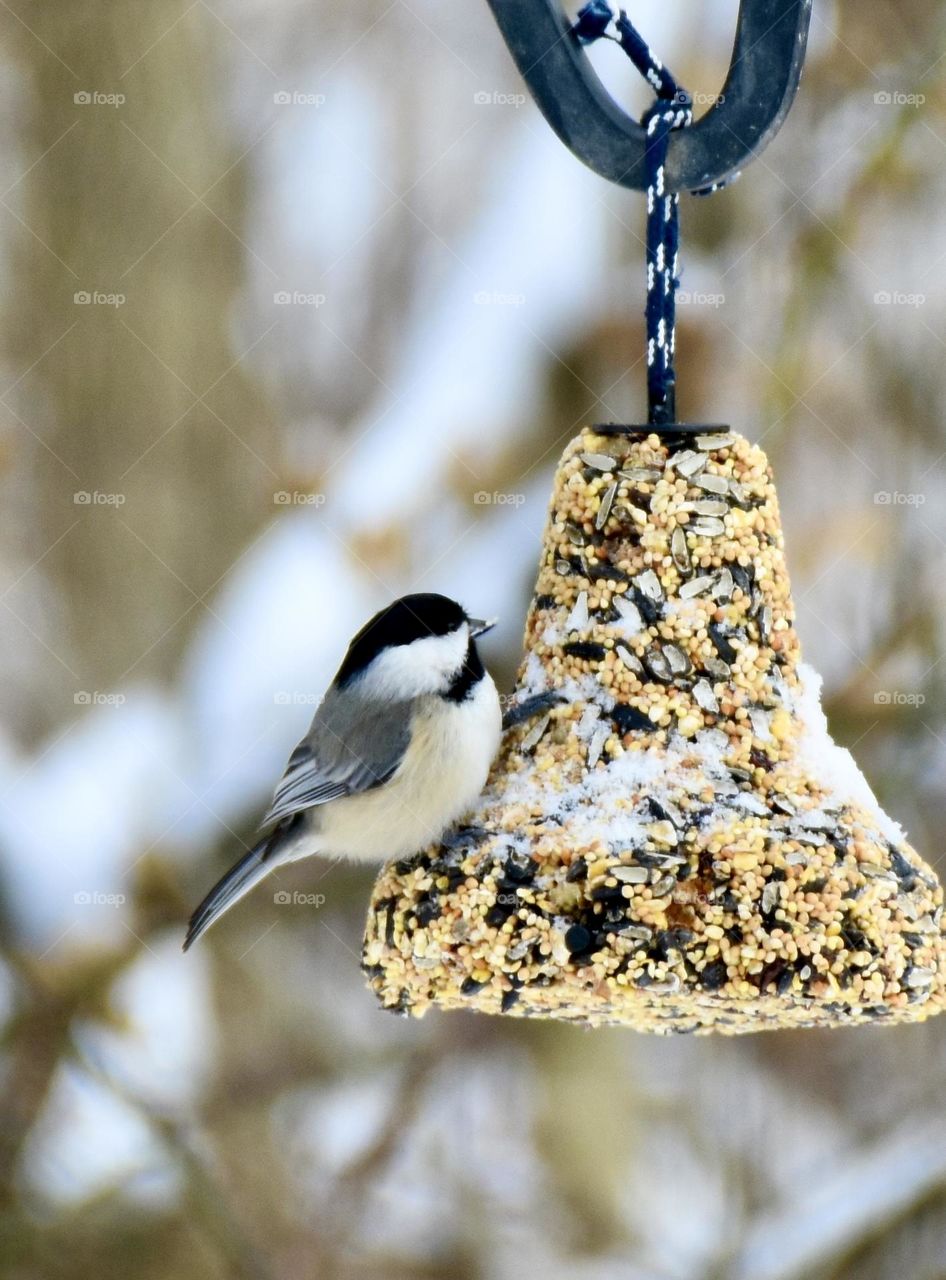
pixel 238 881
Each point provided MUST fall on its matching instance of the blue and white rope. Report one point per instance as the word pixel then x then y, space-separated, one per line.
pixel 672 110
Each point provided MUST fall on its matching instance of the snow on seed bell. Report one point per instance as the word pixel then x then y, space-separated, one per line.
pixel 676 844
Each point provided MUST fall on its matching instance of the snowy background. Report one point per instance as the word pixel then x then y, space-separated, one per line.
pixel 302 303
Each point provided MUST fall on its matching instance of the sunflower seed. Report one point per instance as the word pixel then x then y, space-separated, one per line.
pixel 587 722
pixel 535 733
pixel 717 668
pixel 875 872
pixel 765 623
pixel 658 664
pixel 679 550
pixel 724 586
pixel 660 888
pixel 604 510
pixel 815 839
pixel 630 660
pixel 679 662
pixel 695 587
pixel 673 813
pixel 712 483
pixel 668 988
pixel 707 528
pixel 631 875
pixel 795 858
pixel 629 614
pixel 706 507
pixel 770 896
pixel 596 745
pixel 714 442
pixel 600 461
pixel 578 618
pixel 641 475
pixel 649 583
pixel 636 932
pixel 704 696
pixel 737 491
pixel 689 462
pixel 562 567
pixel 663 833
pixel 925 924
pixel 784 805
pixel 668 861
pixel 575 535
pixel 920 977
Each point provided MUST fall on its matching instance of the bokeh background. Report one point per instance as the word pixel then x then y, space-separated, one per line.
pixel 300 304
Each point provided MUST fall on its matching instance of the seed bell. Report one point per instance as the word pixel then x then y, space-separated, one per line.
pixel 675 843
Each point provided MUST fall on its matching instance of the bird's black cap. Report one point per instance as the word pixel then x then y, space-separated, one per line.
pixel 411 618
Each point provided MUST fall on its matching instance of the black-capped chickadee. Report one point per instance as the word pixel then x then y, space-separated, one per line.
pixel 399 748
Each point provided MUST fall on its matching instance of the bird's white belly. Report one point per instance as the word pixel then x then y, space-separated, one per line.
pixel 441 775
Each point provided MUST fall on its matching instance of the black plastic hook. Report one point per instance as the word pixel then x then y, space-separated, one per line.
pixel 766 64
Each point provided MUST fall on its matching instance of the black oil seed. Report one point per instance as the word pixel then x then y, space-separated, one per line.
pixel 577 871
pixel 713 976
pixel 628 719
pixel 721 644
pixel 520 868
pixel 585 649
pixel 577 939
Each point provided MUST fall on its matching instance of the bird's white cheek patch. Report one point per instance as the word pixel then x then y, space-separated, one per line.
pixel 408 670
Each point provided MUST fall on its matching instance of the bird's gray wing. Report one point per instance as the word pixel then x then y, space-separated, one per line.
pixel 349 748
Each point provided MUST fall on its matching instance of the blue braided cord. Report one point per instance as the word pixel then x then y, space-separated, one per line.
pixel 672 110
pixel 593 21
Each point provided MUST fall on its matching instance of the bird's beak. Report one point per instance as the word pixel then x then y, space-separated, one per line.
pixel 479 628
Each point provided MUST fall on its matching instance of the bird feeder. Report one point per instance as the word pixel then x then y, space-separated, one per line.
pixel 671 841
